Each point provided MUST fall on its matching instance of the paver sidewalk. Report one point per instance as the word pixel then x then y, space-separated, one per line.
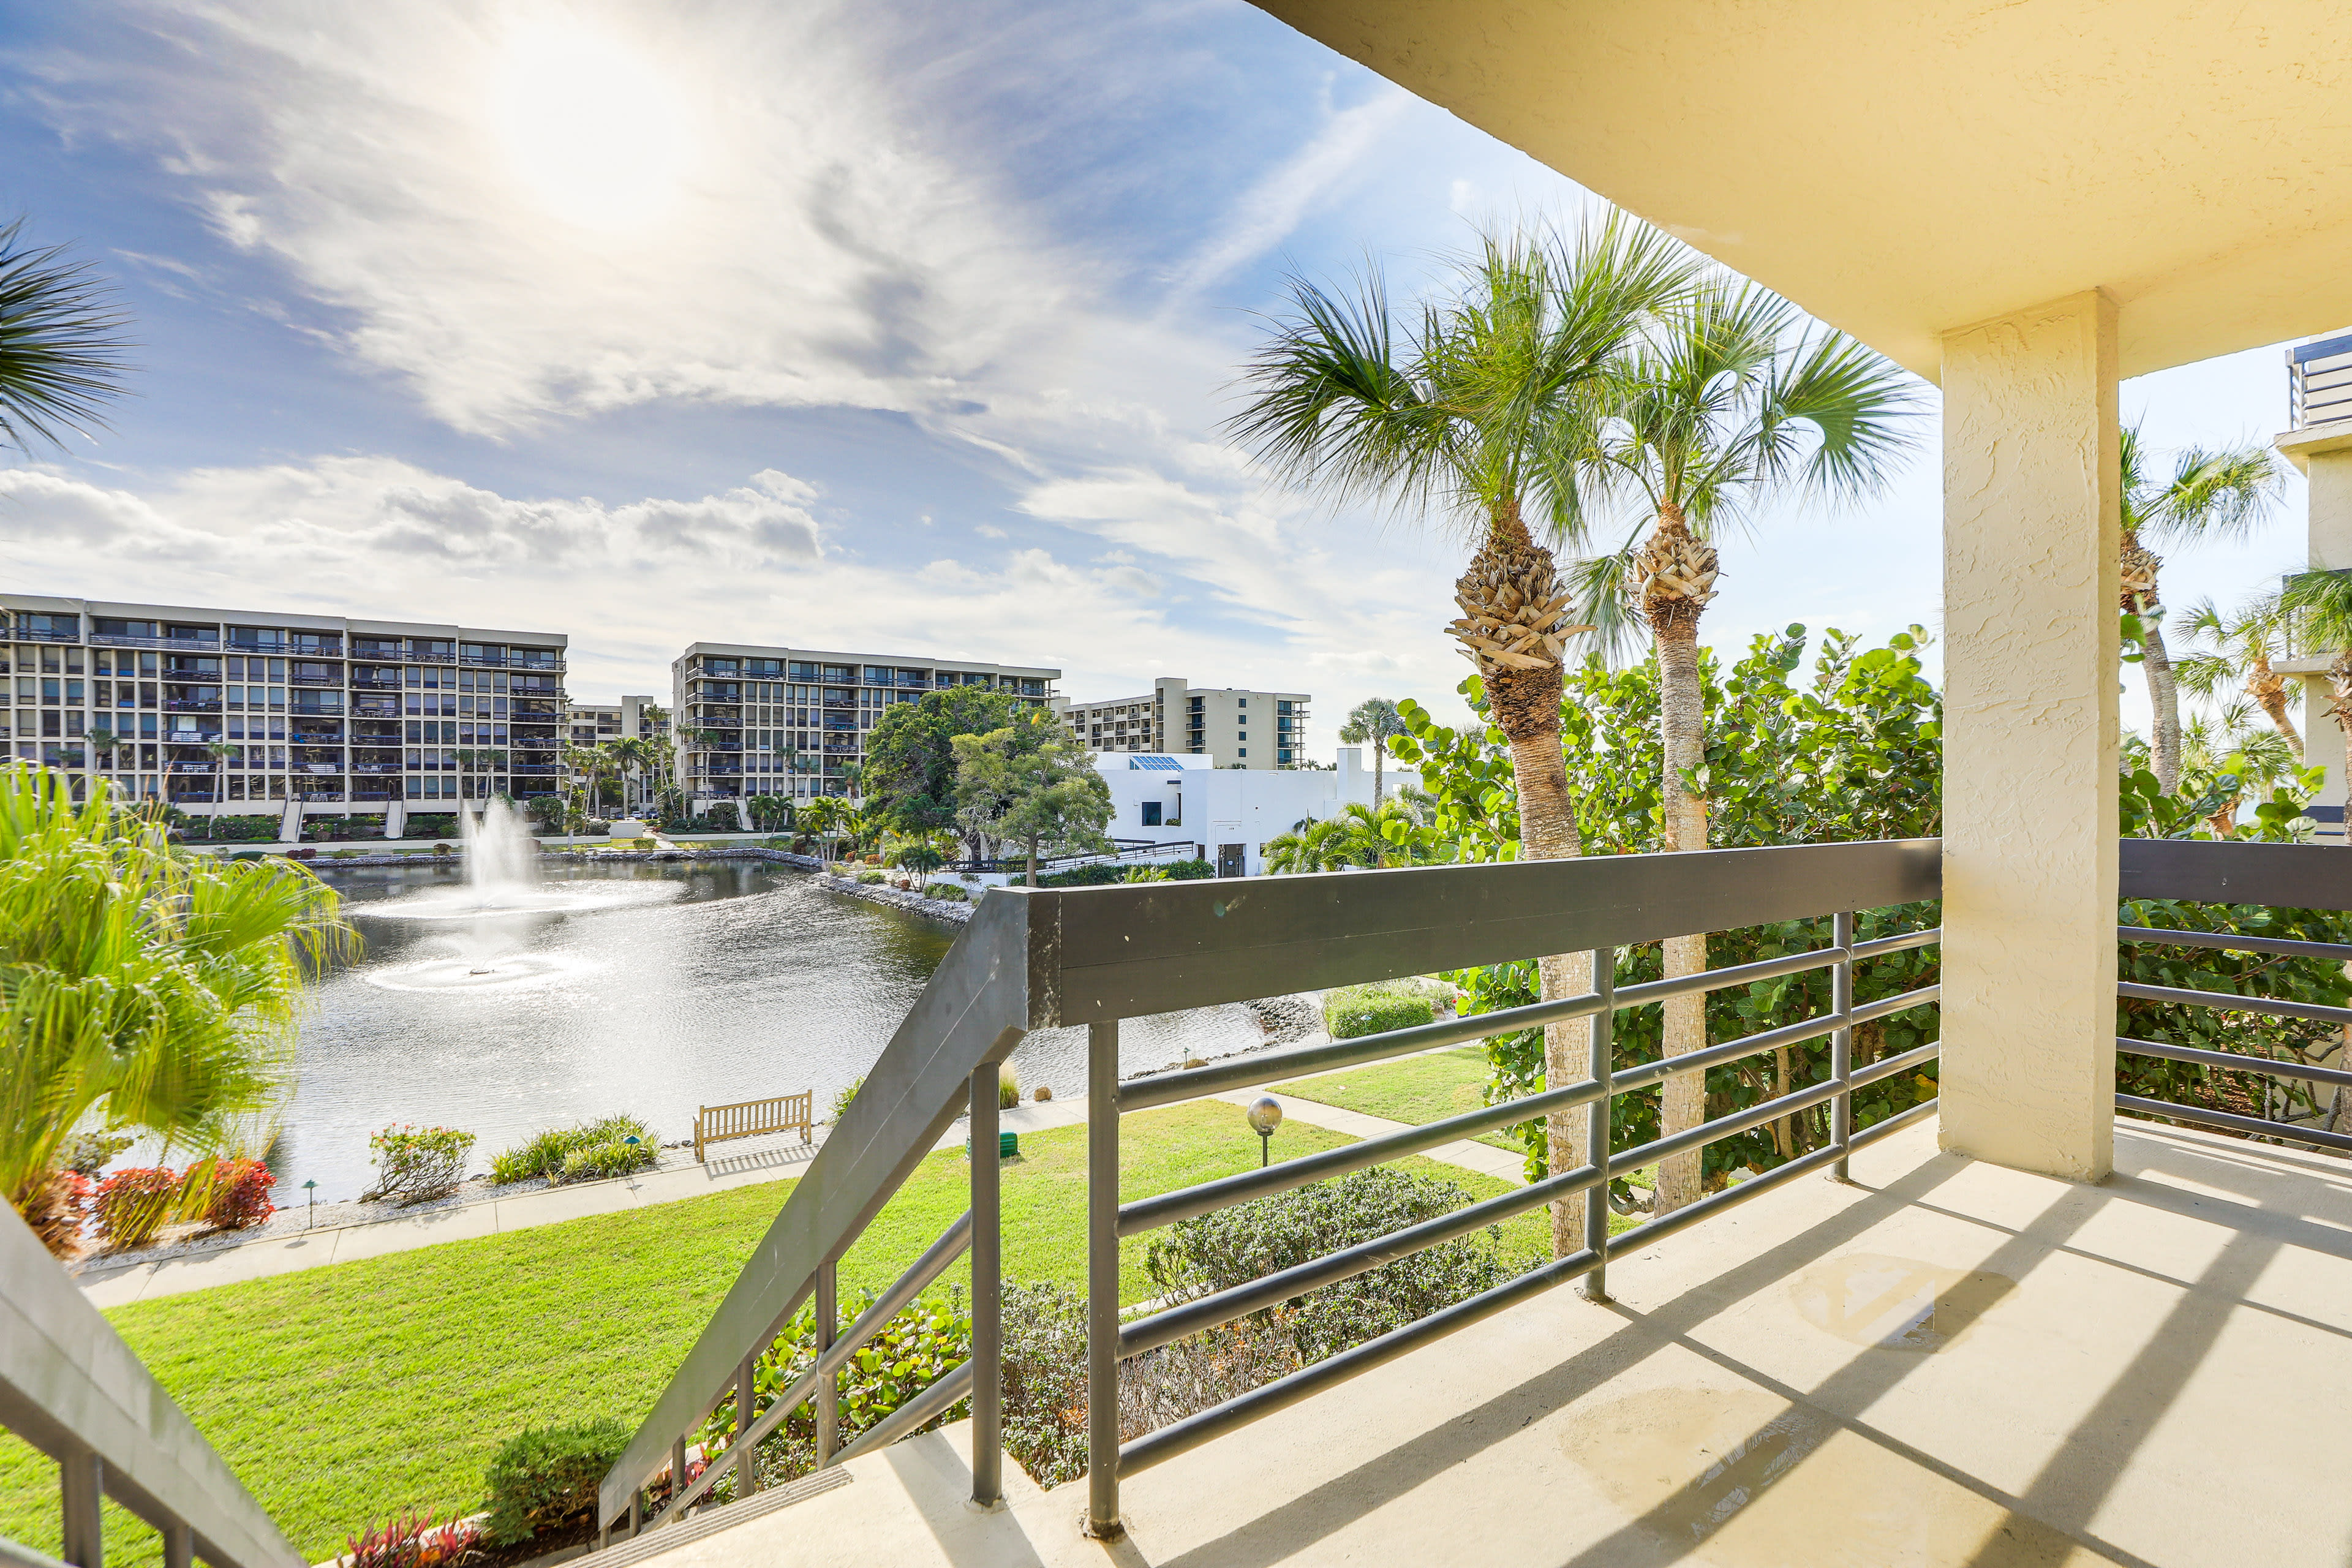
pixel 284 1254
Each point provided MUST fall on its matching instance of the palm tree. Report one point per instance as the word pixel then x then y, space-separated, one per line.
pixel 2239 649
pixel 1477 411
pixel 1730 400
pixel 141 987
pixel 1373 721
pixel 2211 494
pixel 60 345
pixel 102 741
pixel 823 817
pixel 220 752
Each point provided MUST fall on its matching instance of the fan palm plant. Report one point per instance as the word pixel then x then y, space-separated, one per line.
pixel 1731 400
pixel 1372 721
pixel 141 988
pixel 2210 495
pixel 1474 412
pixel 2238 648
pixel 60 343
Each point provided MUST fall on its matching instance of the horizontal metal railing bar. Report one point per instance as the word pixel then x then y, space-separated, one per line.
pixel 1664 1068
pixel 2229 942
pixel 2212 871
pixel 1180 1437
pixel 2231 1122
pixel 1183 1435
pixel 2232 1061
pixel 1886 1006
pixel 1891 1066
pixel 1269 1290
pixel 1149 1333
pixel 1880 946
pixel 2232 1002
pixel 1268 1066
pixel 1167 1208
pixel 951 1387
pixel 952 1245
pixel 1299 1061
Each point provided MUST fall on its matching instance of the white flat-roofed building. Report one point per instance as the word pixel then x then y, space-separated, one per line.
pixel 1234 728
pixel 753 719
pixel 1225 816
pixel 252 713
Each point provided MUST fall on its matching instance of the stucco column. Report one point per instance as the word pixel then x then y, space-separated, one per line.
pixel 2031 532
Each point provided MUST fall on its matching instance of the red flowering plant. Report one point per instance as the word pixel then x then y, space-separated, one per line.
pixel 132 1204
pixel 418 1541
pixel 240 1195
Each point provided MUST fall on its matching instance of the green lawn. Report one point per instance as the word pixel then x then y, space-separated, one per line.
pixel 1414 1089
pixel 340 1394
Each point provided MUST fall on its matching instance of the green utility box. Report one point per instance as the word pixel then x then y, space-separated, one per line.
pixel 1008 1145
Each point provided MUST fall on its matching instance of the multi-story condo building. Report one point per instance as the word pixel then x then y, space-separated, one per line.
pixel 1237 729
pixel 591 723
pixel 752 720
pixel 597 723
pixel 236 712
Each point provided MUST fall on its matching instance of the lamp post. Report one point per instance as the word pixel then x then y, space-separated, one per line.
pixel 1264 1115
pixel 312 1187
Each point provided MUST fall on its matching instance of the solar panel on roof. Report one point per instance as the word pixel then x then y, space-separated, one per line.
pixel 1155 764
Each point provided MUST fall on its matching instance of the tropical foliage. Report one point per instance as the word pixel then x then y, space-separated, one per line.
pixel 141 988
pixel 910 760
pixel 61 344
pixel 1033 785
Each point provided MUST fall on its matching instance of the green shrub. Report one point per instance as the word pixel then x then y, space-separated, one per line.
pixel 869 878
pixel 599 1161
pixel 647 843
pixel 244 829
pixel 1100 874
pixel 1231 1246
pixel 1008 1089
pixel 546 1477
pixel 249 855
pixel 849 1092
pixel 946 891
pixel 550 1153
pixel 414 1163
pixel 1353 1010
pixel 431 824
pixel 1189 870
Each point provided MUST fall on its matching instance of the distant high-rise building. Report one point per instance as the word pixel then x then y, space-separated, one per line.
pixel 751 720
pixel 1238 729
pixel 240 712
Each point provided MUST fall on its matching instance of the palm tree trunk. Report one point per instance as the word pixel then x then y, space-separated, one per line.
pixel 2163 700
pixel 2268 688
pixel 1682 717
pixel 1380 764
pixel 1512 606
pixel 2340 708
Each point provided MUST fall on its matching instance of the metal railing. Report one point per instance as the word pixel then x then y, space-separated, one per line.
pixel 1035 959
pixel 2276 876
pixel 70 1387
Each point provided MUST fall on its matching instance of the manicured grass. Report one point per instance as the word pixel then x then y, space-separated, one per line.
pixel 1414 1089
pixel 343 1393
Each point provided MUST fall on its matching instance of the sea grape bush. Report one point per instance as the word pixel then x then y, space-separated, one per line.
pixel 546 1477
pixel 414 1164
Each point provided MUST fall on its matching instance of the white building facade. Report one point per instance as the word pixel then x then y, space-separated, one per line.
pixel 1226 815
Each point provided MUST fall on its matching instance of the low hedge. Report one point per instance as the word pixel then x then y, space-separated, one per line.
pixel 1353 1010
pixel 244 829
pixel 546 1478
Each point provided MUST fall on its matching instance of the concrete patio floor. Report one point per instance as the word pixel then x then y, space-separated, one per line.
pixel 1947 1363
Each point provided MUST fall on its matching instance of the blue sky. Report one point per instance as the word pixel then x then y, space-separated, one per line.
pixel 878 326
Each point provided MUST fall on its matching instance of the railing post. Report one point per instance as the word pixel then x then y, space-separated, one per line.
pixel 987 1296
pixel 1597 1118
pixel 828 1391
pixel 1842 1041
pixel 746 1453
pixel 179 1544
pixel 82 1490
pixel 678 1477
pixel 1102 1520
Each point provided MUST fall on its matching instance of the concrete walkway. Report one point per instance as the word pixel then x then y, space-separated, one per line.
pixel 758 1161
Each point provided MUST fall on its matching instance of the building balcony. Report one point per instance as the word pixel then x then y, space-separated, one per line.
pixel 192 705
pixel 540 770
pixel 336 680
pixel 357 767
pixel 186 737
pixel 178 644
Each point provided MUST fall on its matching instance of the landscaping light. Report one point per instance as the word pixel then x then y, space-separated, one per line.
pixel 1264 1115
pixel 312 1187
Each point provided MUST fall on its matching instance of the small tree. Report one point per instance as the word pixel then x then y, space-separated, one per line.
pixel 1032 783
pixel 1372 721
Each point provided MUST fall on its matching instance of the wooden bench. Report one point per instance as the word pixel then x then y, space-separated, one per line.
pixel 750 1118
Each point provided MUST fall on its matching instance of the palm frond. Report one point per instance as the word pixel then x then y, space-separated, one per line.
pixel 61 344
pixel 2215 495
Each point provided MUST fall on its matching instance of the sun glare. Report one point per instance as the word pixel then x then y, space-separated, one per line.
pixel 593 130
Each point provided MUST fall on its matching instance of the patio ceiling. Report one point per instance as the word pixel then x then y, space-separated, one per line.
pixel 1901 171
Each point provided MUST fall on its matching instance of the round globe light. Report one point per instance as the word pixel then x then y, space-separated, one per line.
pixel 1264 1115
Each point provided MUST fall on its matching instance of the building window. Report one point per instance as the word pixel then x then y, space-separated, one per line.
pixel 1151 814
pixel 1245 751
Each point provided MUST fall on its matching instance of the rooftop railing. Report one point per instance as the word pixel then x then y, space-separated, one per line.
pixel 1035 959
